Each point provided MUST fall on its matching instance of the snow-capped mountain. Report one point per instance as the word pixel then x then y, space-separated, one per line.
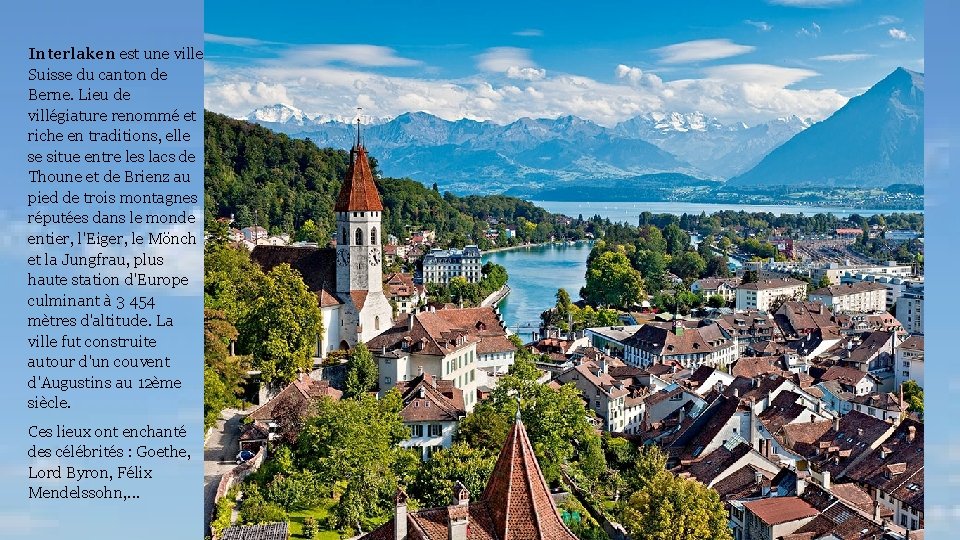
pixel 876 139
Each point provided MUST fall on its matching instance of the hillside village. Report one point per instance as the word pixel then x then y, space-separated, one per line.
pixel 793 398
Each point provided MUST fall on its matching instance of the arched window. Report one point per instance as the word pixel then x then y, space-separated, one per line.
pixel 343 236
pixel 359 237
pixel 373 236
pixel 376 323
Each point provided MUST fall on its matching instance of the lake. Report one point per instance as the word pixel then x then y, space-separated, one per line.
pixel 535 274
pixel 629 212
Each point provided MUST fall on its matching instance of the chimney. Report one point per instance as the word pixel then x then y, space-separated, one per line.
pixel 400 517
pixel 801 486
pixel 911 433
pixel 836 424
pixel 825 482
pixel 876 511
pixel 410 322
pixel 458 513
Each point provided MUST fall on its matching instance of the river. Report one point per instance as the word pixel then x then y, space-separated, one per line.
pixel 629 212
pixel 535 273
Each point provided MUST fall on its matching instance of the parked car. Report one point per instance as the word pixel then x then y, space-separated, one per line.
pixel 244 455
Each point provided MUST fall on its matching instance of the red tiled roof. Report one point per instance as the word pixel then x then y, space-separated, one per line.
pixel 317 267
pixel 304 388
pixel 518 496
pixel 358 192
pixel 777 510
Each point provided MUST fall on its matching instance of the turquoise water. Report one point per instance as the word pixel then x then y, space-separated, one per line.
pixel 535 274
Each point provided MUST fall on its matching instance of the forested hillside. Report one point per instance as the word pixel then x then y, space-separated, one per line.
pixel 289 185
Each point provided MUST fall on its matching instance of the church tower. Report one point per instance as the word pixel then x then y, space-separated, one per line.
pixel 359 253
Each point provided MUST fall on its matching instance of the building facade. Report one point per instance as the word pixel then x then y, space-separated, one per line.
pixel 861 297
pixel 763 294
pixel 442 265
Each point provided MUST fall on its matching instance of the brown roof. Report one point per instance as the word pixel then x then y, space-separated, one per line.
pixel 741 484
pixel 710 466
pixel 358 192
pixel 754 366
pixel 897 466
pixel 777 510
pixel 838 520
pixel 914 343
pixel 849 288
pixel 444 331
pixel 803 434
pixel 518 496
pixel 398 284
pixel 845 375
pixel 426 399
pixel 835 450
pixel 661 339
pixel 317 267
pixel 303 389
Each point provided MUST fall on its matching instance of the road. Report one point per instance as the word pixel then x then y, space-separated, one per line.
pixel 219 456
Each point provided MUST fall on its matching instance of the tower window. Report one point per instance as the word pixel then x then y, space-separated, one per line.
pixel 359 237
pixel 376 323
pixel 373 236
pixel 343 236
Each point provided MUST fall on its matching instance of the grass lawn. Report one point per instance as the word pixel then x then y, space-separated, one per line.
pixel 296 522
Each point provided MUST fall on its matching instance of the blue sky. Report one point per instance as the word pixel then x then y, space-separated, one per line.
pixel 608 61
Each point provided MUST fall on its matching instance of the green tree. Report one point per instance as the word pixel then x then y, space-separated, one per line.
pixel 611 280
pixel 361 372
pixel 913 395
pixel 688 265
pixel 666 507
pixel 223 373
pixel 677 240
pixel 716 301
pixel 281 328
pixel 484 429
pixel 354 443
pixel 459 463
pixel 653 268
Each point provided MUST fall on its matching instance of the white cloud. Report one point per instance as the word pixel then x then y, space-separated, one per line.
pixel 527 73
pixel 760 25
pixel 750 93
pixel 700 50
pixel 501 59
pixel 846 57
pixel 760 74
pixel 888 19
pixel 529 32
pixel 810 31
pixel 902 35
pixel 810 3
pixel 233 40
pixel 356 54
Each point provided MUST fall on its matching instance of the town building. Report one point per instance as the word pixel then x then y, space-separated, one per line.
pixel 861 297
pixel 347 280
pixel 715 286
pixel 908 361
pixel 449 344
pixel 834 271
pixel 611 339
pixel 763 294
pixel 432 409
pixel 604 394
pixel 403 293
pixel 442 265
pixel 516 505
pixel 910 309
pixel 894 285
pixel 663 342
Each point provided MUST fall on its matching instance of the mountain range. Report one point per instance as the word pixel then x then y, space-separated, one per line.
pixel 876 139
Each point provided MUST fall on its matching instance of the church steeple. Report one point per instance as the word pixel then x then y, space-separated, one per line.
pixel 359 192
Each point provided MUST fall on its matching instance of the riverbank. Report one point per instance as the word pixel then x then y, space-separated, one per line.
pixel 496 297
pixel 532 245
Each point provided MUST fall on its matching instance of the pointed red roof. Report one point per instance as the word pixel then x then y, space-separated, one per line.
pixel 518 496
pixel 358 192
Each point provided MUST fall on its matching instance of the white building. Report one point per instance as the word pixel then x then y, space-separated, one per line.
pixel 448 344
pixel 432 410
pixel 714 286
pixel 834 271
pixel 861 297
pixel 910 310
pixel 604 394
pixel 908 362
pixel 441 265
pixel 895 285
pixel 762 294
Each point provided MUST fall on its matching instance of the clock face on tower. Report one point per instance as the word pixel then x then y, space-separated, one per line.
pixel 374 256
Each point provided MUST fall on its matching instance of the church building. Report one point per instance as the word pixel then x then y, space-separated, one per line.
pixel 348 279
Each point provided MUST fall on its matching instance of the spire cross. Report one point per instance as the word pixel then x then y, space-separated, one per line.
pixel 359 110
